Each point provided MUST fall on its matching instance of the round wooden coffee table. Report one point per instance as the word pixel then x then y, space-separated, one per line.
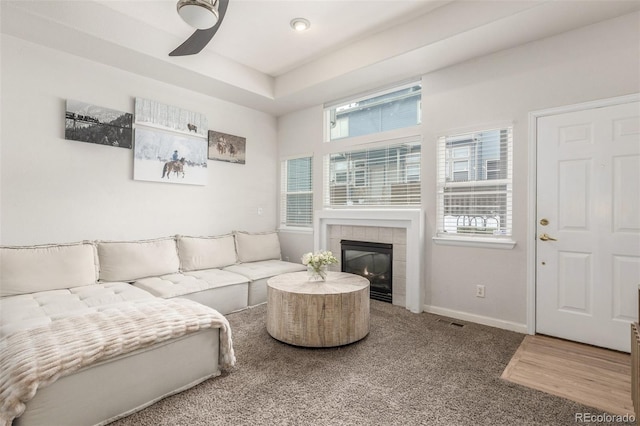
pixel 318 314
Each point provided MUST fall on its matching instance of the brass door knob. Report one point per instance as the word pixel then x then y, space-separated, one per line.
pixel 546 237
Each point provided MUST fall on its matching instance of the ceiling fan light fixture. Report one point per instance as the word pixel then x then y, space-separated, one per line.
pixel 300 24
pixel 200 14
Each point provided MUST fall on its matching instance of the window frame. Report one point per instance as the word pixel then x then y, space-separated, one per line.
pixel 284 193
pixel 330 111
pixel 445 179
pixel 382 191
pixel 398 176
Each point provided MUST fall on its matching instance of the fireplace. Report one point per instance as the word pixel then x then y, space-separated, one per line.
pixel 373 261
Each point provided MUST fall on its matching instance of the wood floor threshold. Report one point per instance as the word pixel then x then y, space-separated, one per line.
pixel 592 376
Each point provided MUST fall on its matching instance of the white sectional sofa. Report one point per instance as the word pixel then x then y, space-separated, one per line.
pixel 227 272
pixel 120 321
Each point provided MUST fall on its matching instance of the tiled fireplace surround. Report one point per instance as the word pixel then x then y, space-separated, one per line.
pixel 377 234
pixel 402 228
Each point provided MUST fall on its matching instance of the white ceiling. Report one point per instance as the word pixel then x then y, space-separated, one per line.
pixel 256 33
pixel 256 59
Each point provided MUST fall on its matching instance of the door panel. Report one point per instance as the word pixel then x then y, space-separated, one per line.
pixel 574 282
pixel 626 175
pixel 588 189
pixel 573 197
pixel 624 307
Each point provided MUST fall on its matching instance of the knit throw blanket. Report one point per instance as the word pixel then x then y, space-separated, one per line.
pixel 35 358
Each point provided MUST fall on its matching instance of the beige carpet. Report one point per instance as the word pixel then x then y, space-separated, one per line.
pixel 412 369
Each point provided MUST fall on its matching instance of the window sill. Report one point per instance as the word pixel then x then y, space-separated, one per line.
pixel 295 229
pixel 492 243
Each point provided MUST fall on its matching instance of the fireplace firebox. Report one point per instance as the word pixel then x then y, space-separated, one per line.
pixel 374 261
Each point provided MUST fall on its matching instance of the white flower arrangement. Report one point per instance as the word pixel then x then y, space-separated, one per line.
pixel 317 262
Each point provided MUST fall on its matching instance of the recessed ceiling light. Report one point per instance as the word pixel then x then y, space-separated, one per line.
pixel 300 24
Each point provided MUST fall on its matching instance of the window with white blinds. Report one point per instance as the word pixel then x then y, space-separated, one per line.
pixel 386 176
pixel 475 184
pixel 296 192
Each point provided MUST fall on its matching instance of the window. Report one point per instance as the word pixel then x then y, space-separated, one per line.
pixel 387 176
pixel 360 173
pixel 457 167
pixel 379 112
pixel 339 171
pixel 297 192
pixel 474 184
pixel 412 168
pixel 339 127
pixel 493 169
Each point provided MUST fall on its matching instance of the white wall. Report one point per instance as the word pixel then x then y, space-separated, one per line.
pixel 55 190
pixel 300 134
pixel 594 62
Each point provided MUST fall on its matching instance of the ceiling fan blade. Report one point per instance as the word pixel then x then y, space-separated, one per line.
pixel 201 38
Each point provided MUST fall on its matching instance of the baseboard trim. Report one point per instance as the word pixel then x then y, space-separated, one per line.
pixel 479 319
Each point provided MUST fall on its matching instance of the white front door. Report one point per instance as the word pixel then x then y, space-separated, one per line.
pixel 588 225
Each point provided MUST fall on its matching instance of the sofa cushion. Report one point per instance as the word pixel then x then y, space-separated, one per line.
pixel 174 285
pixel 197 253
pixel 47 267
pixel 257 247
pixel 265 269
pixel 130 260
pixel 28 311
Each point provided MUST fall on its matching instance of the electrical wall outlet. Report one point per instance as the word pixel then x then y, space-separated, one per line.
pixel 479 290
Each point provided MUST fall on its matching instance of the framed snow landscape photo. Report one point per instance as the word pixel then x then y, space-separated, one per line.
pixel 170 144
pixel 155 114
pixel 161 156
pixel 94 124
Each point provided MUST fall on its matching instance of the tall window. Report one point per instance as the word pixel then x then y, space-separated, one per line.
pixel 387 176
pixel 296 192
pixel 474 183
pixel 386 172
pixel 378 112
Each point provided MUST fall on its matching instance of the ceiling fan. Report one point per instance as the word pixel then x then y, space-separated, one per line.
pixel 204 15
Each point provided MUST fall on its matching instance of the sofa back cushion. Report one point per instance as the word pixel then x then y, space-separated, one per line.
pixel 256 247
pixel 130 260
pixel 47 267
pixel 197 253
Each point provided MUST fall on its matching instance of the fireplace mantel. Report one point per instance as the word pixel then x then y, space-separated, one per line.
pixel 411 220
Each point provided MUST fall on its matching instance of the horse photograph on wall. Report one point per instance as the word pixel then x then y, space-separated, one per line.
pixel 161 116
pixel 225 147
pixel 94 124
pixel 161 156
